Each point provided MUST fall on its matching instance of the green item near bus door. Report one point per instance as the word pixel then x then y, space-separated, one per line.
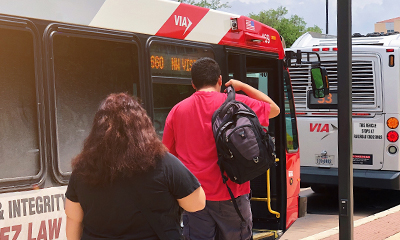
pixel 319 84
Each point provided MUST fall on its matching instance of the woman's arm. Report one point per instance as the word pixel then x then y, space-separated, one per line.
pixel 255 94
pixel 74 213
pixel 194 202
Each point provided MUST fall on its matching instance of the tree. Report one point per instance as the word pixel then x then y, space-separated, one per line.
pixel 290 28
pixel 314 29
pixel 214 4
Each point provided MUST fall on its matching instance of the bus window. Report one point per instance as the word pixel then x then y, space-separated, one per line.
pixel 19 131
pixel 86 70
pixel 165 97
pixel 292 142
pixel 170 68
pixel 258 80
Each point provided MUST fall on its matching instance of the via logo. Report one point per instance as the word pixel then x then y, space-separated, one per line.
pixel 182 22
pixel 318 127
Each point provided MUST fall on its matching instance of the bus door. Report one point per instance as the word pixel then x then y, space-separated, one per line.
pixel 261 72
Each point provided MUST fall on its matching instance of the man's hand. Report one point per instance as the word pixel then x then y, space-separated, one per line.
pixel 236 84
pixel 256 94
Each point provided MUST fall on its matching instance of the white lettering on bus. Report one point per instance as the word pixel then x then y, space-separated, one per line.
pixel 183 22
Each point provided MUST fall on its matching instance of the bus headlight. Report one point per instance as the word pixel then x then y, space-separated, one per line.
pixel 392 136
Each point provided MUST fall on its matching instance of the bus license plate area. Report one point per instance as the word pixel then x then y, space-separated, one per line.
pixel 325 160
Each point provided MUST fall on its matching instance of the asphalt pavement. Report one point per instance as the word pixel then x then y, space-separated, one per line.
pixel 383 225
pixel 380 226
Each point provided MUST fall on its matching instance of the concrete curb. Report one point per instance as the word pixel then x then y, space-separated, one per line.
pixel 394 237
pixel 357 223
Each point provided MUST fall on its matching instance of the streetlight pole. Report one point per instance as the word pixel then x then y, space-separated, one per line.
pixel 327 19
pixel 345 147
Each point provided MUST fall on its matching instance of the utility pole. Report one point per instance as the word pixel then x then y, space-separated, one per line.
pixel 327 19
pixel 345 147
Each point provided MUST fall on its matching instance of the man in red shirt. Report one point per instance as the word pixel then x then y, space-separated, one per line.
pixel 188 135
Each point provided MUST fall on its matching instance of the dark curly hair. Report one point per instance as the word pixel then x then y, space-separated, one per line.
pixel 122 142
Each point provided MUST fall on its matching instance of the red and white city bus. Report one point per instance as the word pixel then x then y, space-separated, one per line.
pixel 59 59
pixel 375 111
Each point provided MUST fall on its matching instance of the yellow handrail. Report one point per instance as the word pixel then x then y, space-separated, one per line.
pixel 268 198
pixel 278 215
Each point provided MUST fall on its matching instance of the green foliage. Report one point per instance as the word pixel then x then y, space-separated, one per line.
pixel 314 29
pixel 192 2
pixel 289 28
pixel 213 4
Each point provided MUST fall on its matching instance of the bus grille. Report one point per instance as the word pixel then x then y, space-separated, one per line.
pixel 363 84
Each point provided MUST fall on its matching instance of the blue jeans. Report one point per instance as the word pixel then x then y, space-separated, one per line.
pixel 219 218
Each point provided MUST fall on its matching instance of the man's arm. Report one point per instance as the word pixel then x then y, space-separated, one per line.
pixel 255 94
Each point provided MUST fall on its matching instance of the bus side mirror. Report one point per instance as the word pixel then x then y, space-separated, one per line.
pixel 319 82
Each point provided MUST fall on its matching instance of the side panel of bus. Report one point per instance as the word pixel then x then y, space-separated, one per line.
pixel 35 214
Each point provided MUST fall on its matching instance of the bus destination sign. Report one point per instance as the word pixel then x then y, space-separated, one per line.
pixel 328 102
pixel 175 61
pixel 171 63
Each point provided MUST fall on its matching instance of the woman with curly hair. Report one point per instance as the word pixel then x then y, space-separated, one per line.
pixel 123 169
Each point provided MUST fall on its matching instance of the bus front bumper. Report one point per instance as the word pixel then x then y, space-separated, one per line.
pixel 361 178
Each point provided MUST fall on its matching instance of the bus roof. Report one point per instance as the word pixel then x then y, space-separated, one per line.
pixel 311 39
pixel 154 17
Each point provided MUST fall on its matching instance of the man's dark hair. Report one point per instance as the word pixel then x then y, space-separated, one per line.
pixel 205 72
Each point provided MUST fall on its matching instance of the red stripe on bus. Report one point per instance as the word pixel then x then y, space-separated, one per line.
pixel 182 21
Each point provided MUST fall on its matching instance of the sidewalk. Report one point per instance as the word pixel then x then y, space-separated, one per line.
pixel 381 226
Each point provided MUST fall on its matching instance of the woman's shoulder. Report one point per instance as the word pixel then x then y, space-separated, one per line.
pixel 169 159
pixel 170 162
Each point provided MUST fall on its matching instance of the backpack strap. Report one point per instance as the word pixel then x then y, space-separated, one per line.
pixel 233 199
pixel 230 98
pixel 231 93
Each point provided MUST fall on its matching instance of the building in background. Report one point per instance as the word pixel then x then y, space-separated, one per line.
pixel 388 26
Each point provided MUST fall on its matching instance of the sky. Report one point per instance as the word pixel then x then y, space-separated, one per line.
pixel 365 13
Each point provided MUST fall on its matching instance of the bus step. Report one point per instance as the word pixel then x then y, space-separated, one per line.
pixel 259 234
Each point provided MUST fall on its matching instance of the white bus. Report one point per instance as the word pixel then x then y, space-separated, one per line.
pixel 59 59
pixel 375 106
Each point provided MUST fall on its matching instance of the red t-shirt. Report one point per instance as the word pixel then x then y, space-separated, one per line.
pixel 188 135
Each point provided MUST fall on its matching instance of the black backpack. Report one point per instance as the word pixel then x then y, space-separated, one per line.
pixel 245 151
